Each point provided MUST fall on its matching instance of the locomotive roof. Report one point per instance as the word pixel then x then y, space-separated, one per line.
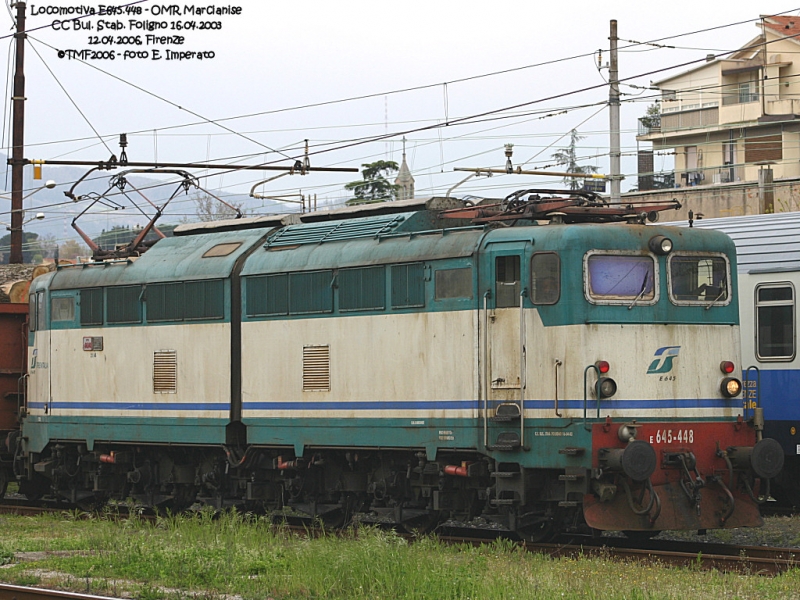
pixel 345 212
pixel 764 243
pixel 171 259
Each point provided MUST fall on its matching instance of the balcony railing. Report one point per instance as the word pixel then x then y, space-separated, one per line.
pixel 649 124
pixel 697 177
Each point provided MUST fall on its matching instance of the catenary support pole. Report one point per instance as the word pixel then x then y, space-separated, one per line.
pixel 18 137
pixel 613 111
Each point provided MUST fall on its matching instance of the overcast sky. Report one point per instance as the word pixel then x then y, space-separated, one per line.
pixel 279 56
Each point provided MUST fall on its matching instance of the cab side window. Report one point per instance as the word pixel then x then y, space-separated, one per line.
pixel 545 278
pixel 507 281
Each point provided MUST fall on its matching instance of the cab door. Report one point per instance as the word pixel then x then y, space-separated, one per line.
pixel 503 289
pixel 38 396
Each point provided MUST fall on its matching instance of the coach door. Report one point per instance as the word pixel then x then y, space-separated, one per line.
pixel 503 294
pixel 38 389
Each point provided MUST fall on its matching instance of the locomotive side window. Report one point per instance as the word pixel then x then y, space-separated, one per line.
pixel 124 304
pixel 204 299
pixel 775 327
pixel 408 285
pixel 362 288
pixel 62 309
pixel 311 292
pixel 267 295
pixel 698 278
pixel 507 276
pixel 453 283
pixel 91 303
pixel 545 278
pixel 165 302
pixel 620 278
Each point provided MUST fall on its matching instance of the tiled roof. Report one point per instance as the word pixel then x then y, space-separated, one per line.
pixel 784 25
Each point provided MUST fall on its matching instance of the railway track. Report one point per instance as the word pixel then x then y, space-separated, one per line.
pixel 754 560
pixel 16 592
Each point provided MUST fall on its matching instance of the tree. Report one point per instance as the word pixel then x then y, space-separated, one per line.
pixel 652 118
pixel 208 208
pixel 71 249
pixel 120 235
pixel 569 159
pixel 374 187
pixel 31 249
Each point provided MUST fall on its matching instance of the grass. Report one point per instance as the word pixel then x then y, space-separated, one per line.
pixel 232 556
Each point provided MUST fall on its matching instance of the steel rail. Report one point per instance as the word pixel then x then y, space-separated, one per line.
pixel 18 592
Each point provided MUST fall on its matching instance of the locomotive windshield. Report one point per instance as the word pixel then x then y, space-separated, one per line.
pixel 616 278
pixel 698 278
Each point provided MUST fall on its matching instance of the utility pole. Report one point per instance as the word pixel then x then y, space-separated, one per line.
pixel 18 137
pixel 613 111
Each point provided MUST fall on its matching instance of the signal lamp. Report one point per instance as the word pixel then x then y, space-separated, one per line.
pixel 606 387
pixel 730 387
pixel 726 367
pixel 602 366
pixel 660 244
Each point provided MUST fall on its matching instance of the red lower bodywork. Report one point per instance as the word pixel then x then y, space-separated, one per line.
pixel 707 504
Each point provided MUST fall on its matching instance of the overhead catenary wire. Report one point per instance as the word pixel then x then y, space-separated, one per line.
pixel 501 109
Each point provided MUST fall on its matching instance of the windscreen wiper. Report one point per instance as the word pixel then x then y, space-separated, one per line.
pixel 641 293
pixel 723 288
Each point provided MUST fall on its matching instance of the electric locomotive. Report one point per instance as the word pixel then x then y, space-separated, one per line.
pixel 540 364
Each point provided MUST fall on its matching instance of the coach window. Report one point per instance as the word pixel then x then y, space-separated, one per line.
pixel 619 278
pixel 545 278
pixel 506 269
pixel 775 327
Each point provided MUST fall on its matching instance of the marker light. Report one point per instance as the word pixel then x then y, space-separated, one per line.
pixel 660 244
pixel 730 387
pixel 726 367
pixel 602 366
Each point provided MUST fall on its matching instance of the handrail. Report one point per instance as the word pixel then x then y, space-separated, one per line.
pixel 747 388
pixel 558 363
pixel 522 366
pixel 485 383
pixel 585 394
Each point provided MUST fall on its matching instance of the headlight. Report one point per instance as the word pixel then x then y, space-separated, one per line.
pixel 730 387
pixel 606 387
pixel 660 244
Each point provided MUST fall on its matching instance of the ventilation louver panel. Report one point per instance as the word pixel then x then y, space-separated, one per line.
pixel 317 233
pixel 165 372
pixel 316 368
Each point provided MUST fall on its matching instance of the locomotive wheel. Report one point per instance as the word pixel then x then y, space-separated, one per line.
pixel 4 477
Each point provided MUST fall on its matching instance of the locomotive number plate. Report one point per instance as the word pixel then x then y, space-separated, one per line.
pixel 669 436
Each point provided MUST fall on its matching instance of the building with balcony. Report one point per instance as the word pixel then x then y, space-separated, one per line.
pixel 732 119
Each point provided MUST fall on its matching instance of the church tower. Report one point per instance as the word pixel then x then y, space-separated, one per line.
pixel 404 179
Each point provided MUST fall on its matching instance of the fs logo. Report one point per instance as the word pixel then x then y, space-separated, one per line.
pixel 663 360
